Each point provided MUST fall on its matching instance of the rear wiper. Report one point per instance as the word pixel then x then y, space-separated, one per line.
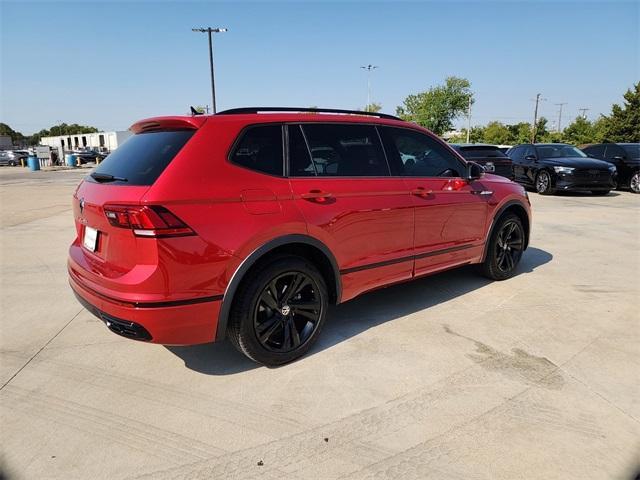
pixel 105 177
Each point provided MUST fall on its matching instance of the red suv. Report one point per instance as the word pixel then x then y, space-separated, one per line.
pixel 250 222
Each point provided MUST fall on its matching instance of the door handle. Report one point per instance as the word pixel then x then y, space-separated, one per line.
pixel 421 192
pixel 316 196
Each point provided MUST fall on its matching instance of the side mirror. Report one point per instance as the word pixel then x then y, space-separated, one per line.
pixel 474 171
pixel 531 158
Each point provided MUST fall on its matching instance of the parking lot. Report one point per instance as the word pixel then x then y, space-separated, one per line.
pixel 450 376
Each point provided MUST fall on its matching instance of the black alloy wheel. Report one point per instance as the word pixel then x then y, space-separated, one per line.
pixel 505 248
pixel 287 312
pixel 543 183
pixel 509 246
pixel 278 310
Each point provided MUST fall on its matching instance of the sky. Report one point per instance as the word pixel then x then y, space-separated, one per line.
pixel 108 64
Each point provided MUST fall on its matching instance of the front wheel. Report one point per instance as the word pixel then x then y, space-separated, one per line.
pixel 505 248
pixel 543 183
pixel 634 182
pixel 279 311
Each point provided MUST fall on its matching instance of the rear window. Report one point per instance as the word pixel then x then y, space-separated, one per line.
pixel 481 152
pixel 260 149
pixel 143 157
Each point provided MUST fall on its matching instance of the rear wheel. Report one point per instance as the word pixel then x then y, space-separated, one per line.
pixel 634 182
pixel 12 163
pixel 543 183
pixel 505 248
pixel 279 311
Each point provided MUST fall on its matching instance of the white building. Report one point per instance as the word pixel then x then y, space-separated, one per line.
pixel 109 140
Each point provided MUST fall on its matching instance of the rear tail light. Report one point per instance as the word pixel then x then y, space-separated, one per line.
pixel 147 220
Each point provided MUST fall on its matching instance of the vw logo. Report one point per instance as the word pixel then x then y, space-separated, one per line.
pixel 81 205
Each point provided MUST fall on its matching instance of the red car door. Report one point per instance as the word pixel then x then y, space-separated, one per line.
pixel 450 213
pixel 342 185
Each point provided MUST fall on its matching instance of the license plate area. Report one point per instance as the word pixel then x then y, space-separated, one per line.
pixel 90 240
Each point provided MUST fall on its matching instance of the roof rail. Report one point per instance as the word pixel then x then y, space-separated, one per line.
pixel 237 111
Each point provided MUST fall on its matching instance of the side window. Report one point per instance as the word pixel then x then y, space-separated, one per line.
pixel 597 151
pixel 342 150
pixel 260 149
pixel 528 151
pixel 613 151
pixel 514 153
pixel 300 164
pixel 413 154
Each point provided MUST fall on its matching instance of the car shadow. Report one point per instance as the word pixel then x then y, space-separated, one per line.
pixel 360 314
pixel 586 194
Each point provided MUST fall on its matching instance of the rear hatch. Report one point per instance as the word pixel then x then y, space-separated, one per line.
pixel 115 231
pixel 490 157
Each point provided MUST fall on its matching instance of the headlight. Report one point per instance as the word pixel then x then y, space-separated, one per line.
pixel 564 169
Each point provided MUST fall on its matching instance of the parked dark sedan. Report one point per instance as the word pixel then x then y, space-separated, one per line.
pixel 626 158
pixel 551 167
pixel 489 156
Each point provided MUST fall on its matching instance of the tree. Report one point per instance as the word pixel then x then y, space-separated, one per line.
pixel 438 107
pixel 623 125
pixel 520 133
pixel 373 107
pixel 497 133
pixel 579 132
pixel 61 129
pixel 16 137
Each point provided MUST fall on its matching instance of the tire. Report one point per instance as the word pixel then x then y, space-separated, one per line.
pixel 270 326
pixel 543 183
pixel 600 193
pixel 634 182
pixel 502 258
pixel 12 163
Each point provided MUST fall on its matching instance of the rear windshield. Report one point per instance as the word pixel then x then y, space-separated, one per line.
pixel 481 152
pixel 143 157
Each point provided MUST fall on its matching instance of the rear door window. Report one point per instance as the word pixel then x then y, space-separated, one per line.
pixel 260 149
pixel 144 156
pixel 342 150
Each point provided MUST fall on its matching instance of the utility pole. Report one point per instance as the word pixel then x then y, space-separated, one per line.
pixel 469 120
pixel 560 115
pixel 210 31
pixel 368 68
pixel 535 118
pixel 584 112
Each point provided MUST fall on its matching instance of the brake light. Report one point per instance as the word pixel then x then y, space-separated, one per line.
pixel 147 220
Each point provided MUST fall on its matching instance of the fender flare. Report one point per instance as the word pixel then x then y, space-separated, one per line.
pixel 257 254
pixel 497 215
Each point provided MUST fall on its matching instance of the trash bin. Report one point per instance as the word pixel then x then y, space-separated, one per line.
pixel 70 160
pixel 33 163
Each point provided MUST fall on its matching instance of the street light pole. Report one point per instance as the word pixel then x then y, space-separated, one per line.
pixel 560 115
pixel 211 31
pixel 368 68
pixel 469 121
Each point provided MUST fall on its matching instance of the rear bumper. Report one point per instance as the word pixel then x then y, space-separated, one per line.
pixel 187 322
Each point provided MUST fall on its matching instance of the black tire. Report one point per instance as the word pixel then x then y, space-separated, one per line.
pixel 600 193
pixel 12 163
pixel 503 257
pixel 634 182
pixel 543 183
pixel 270 326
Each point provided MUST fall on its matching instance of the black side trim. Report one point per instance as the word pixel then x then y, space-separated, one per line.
pixel 409 258
pixel 239 274
pixel 176 303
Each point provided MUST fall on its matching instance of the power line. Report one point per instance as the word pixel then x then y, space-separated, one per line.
pixel 560 115
pixel 209 31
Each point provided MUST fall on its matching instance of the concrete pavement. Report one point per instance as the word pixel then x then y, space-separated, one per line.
pixel 450 376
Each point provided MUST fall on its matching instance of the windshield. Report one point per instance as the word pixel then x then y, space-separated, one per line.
pixel 559 151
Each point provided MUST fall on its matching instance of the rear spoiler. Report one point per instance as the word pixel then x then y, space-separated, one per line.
pixel 156 124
